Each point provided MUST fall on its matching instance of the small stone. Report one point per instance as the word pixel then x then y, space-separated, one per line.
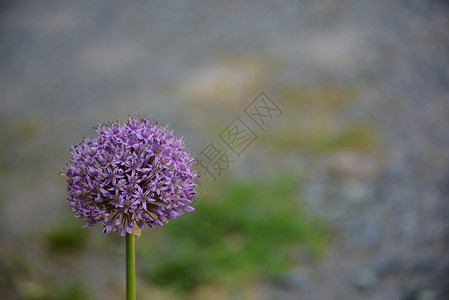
pixel 418 294
pixel 385 266
pixel 365 279
pixel 355 164
pixel 297 278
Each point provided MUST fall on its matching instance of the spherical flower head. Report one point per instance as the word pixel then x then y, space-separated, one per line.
pixel 130 176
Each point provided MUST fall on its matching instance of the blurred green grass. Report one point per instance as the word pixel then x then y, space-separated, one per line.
pixel 18 144
pixel 67 291
pixel 67 236
pixel 360 136
pixel 240 230
pixel 313 123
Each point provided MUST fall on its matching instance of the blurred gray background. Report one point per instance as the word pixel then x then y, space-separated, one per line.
pixel 364 89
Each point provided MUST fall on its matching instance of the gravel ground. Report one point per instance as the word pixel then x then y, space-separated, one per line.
pixel 66 64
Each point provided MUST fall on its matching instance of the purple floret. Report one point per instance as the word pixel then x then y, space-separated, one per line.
pixel 130 175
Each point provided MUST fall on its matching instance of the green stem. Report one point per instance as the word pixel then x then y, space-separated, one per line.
pixel 130 268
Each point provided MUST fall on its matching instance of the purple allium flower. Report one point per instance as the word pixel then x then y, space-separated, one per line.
pixel 131 175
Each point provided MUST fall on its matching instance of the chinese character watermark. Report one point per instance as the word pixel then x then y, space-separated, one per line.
pixel 262 109
pixel 237 136
pixel 213 161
